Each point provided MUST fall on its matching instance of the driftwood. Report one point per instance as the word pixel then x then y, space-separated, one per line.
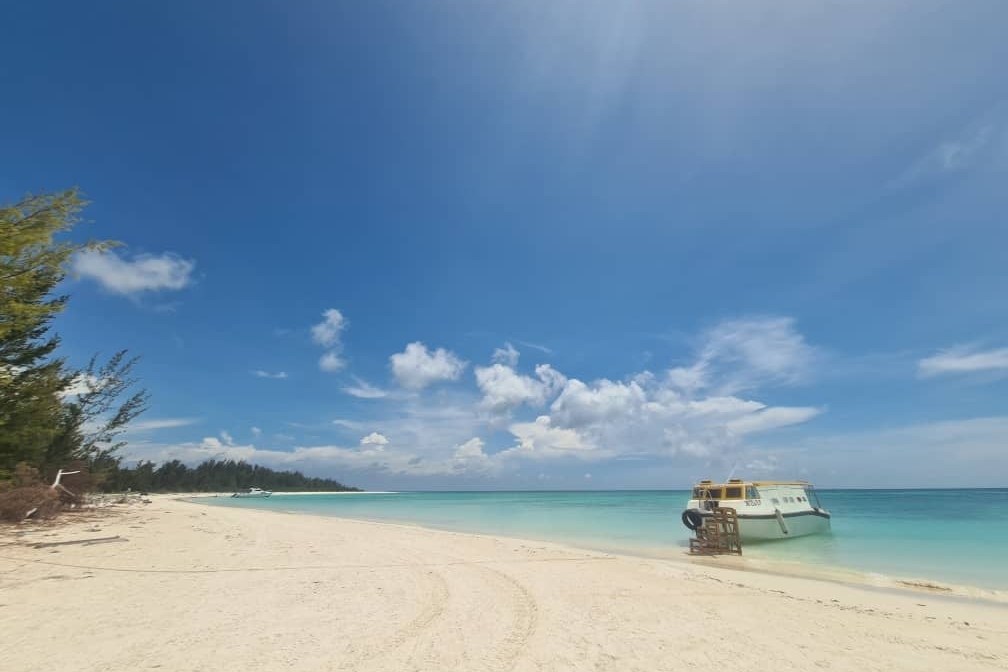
pixel 58 487
pixel 94 540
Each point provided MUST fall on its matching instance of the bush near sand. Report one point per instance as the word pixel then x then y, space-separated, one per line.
pixel 17 502
pixel 26 493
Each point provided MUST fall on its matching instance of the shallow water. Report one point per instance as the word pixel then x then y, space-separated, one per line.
pixel 955 536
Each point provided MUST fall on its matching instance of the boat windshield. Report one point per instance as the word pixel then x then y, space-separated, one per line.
pixel 812 497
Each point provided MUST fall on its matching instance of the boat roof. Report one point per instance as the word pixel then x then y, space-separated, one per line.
pixel 739 481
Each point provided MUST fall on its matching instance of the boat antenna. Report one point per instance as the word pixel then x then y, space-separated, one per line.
pixel 732 472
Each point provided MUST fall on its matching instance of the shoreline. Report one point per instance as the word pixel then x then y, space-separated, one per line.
pixel 306 493
pixel 176 585
pixel 787 568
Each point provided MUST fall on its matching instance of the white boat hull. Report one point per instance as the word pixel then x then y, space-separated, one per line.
pixel 788 527
pixel 770 527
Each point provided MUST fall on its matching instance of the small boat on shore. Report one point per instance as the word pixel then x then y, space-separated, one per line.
pixel 766 510
pixel 253 492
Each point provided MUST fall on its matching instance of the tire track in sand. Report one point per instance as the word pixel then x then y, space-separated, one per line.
pixel 433 609
pixel 525 619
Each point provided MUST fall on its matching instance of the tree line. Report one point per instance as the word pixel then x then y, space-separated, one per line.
pixel 213 476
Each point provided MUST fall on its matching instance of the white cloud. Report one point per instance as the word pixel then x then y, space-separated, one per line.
pixel 227 438
pixel 279 375
pixel 330 362
pixel 744 354
pixel 374 439
pixel 966 452
pixel 469 458
pixel 348 424
pixel 328 333
pixel 651 416
pixel 541 440
pixel 681 417
pixel 771 418
pixel 82 384
pixel 972 147
pixel 536 346
pixel 507 356
pixel 416 367
pixel 963 359
pixel 504 389
pixel 256 432
pixel 143 273
pixel 364 390
pixel 580 405
pixel 153 424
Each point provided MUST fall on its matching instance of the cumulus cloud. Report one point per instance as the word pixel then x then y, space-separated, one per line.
pixel 374 439
pixel 329 333
pixel 330 362
pixel 469 458
pixel 142 273
pixel 507 356
pixel 581 405
pixel 417 367
pixel 504 389
pixel 963 359
pixel 542 440
pixel 256 432
pixel 694 414
pixel 669 414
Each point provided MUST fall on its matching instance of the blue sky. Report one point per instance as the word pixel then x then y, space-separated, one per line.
pixel 537 245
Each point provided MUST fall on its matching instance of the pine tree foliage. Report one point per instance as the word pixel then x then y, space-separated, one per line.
pixel 45 422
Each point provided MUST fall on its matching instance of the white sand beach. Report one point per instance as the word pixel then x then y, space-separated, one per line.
pixel 184 586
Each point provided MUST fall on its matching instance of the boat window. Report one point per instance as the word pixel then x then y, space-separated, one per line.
pixel 751 492
pixel 732 492
pixel 812 498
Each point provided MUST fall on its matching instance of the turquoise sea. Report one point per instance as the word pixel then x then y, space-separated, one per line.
pixel 951 536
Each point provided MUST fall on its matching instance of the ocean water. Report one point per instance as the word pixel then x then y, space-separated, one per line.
pixel 952 536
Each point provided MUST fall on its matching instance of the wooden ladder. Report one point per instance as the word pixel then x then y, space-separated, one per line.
pixel 719 534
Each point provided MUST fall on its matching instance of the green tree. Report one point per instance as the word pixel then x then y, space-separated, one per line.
pixel 93 418
pixel 40 424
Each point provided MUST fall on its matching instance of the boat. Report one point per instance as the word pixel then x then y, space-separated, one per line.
pixel 253 492
pixel 766 510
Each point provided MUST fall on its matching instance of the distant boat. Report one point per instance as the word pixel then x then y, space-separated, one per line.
pixel 766 509
pixel 253 492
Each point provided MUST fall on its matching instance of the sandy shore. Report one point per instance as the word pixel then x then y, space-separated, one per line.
pixel 192 587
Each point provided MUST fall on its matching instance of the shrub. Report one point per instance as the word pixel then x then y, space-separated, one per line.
pixel 16 503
